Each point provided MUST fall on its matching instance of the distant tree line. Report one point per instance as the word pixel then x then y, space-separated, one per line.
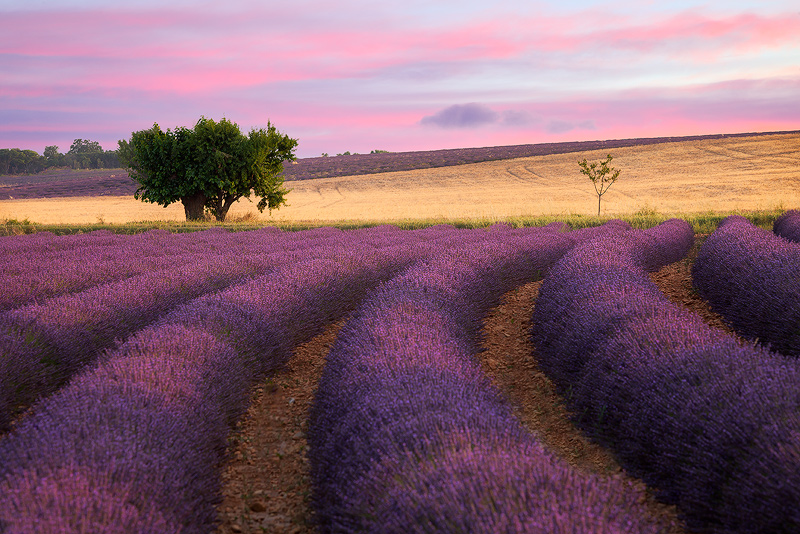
pixel 325 154
pixel 82 154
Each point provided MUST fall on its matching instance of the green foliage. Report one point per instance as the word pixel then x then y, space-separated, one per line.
pixel 209 167
pixel 84 146
pixel 16 161
pixel 379 151
pixel 86 154
pixel 601 175
pixel 83 154
pixel 51 152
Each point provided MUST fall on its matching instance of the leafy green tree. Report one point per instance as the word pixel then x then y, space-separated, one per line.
pixel 51 152
pixel 84 154
pixel 209 167
pixel 53 157
pixel 84 146
pixel 601 175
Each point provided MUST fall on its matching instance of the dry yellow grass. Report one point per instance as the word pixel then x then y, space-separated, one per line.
pixel 749 173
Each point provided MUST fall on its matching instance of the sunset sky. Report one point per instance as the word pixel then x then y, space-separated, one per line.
pixel 359 75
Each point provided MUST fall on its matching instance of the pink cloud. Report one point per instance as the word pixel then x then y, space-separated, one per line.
pixel 706 37
pixel 191 51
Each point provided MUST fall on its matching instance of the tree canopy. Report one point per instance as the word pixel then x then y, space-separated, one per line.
pixel 84 146
pixel 209 167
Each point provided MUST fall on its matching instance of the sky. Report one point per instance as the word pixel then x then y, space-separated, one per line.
pixel 360 75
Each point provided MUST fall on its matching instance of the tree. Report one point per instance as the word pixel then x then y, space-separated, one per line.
pixel 84 154
pixel 51 152
pixel 84 146
pixel 53 157
pixel 601 175
pixel 209 167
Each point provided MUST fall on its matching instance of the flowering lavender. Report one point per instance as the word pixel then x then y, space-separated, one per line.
pixel 406 432
pixel 45 344
pixel 38 269
pixel 709 422
pixel 750 277
pixel 135 444
pixel 788 226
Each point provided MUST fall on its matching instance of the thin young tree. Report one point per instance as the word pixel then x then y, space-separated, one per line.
pixel 601 175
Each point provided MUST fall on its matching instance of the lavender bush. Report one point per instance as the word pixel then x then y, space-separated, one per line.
pixel 788 226
pixel 709 422
pixel 750 277
pixel 40 268
pixel 407 434
pixel 43 345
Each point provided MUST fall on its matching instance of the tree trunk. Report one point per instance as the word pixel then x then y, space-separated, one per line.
pixel 194 205
pixel 222 206
pixel 598 205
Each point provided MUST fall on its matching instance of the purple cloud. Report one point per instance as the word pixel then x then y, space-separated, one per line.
pixel 462 116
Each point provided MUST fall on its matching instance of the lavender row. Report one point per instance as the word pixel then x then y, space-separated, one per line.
pixel 711 423
pixel 750 277
pixel 38 269
pixel 407 434
pixel 44 345
pixel 39 266
pixel 135 445
pixel 788 226
pixel 48 266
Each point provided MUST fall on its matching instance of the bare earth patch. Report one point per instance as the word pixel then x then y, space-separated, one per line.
pixel 266 482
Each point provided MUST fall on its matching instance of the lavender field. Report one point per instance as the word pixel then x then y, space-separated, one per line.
pixel 130 360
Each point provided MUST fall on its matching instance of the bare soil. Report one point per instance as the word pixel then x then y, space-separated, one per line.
pixel 266 483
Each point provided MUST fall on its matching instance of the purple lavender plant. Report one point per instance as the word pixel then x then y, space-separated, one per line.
pixel 788 226
pixel 45 345
pixel 407 434
pixel 711 423
pixel 750 277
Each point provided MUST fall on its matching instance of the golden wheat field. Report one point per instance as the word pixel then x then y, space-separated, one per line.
pixel 745 173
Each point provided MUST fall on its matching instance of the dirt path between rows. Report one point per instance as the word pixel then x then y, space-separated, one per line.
pixel 266 483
